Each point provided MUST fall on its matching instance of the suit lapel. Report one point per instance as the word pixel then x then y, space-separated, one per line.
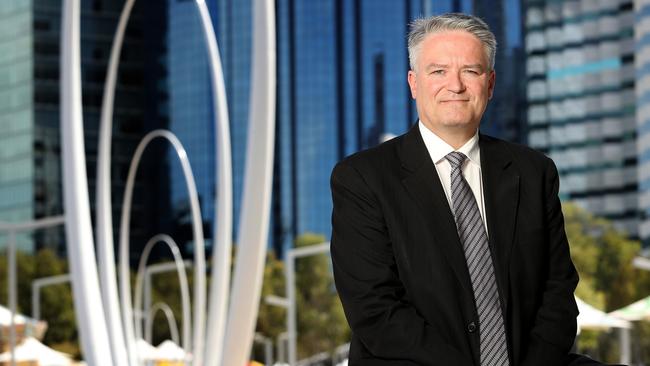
pixel 500 192
pixel 501 195
pixel 422 183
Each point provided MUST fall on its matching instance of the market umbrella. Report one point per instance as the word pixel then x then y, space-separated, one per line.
pixel 592 318
pixel 5 318
pixel 639 310
pixel 168 350
pixel 33 350
pixel 146 352
pixel 25 326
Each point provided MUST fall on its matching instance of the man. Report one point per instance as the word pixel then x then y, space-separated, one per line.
pixel 448 246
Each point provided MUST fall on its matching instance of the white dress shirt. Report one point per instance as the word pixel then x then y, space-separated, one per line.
pixel 471 168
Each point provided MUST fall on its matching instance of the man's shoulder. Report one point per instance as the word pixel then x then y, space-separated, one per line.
pixel 522 155
pixel 377 157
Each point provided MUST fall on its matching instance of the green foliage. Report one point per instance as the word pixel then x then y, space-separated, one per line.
pixel 56 303
pixel 271 320
pixel 321 322
pixel 608 281
pixel 601 253
pixel 641 342
pixel 165 288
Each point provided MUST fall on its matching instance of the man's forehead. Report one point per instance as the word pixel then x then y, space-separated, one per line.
pixel 436 65
pixel 441 47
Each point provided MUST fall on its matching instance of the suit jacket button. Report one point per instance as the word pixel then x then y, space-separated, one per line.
pixel 471 327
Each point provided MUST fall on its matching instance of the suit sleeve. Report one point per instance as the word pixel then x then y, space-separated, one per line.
pixel 368 282
pixel 554 330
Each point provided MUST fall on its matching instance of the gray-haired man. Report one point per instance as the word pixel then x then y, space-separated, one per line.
pixel 449 246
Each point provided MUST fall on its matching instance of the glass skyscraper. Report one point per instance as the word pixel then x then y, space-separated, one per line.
pixel 30 165
pixel 642 75
pixel 341 87
pixel 342 69
pixel 505 116
pixel 191 109
pixel 190 118
pixel 17 151
pixel 581 94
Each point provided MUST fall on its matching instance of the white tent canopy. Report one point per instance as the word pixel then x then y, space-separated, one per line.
pixel 592 318
pixel 33 350
pixel 146 352
pixel 5 318
pixel 30 327
pixel 168 350
pixel 639 310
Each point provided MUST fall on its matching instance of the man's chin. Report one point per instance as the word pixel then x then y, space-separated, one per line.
pixel 460 123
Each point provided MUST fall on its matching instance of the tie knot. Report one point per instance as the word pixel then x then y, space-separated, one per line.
pixel 455 158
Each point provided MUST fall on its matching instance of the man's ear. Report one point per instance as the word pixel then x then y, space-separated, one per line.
pixel 412 83
pixel 491 83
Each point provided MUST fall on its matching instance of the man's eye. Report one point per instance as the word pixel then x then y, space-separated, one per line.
pixel 438 72
pixel 471 71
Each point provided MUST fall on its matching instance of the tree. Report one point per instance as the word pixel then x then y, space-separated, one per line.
pixel 603 257
pixel 56 304
pixel 271 320
pixel 321 321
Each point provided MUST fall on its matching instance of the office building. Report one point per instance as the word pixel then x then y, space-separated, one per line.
pixel 581 93
pixel 341 87
pixel 30 152
pixel 642 75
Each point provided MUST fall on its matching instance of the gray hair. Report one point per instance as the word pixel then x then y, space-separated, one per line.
pixel 420 28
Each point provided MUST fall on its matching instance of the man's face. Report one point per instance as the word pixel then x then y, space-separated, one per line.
pixel 451 83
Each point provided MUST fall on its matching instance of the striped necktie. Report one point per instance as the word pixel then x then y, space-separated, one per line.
pixel 472 234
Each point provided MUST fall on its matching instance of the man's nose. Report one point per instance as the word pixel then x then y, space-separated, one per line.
pixel 455 82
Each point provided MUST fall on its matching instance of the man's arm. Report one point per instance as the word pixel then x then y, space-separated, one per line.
pixel 367 281
pixel 554 331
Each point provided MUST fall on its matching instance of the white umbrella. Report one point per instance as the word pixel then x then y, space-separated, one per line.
pixel 5 318
pixel 33 350
pixel 170 351
pixel 636 311
pixel 31 327
pixel 592 318
pixel 146 352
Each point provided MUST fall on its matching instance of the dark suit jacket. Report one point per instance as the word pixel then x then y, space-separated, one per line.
pixel 400 269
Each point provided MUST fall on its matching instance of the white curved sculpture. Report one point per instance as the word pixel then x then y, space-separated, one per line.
pixel 182 279
pixel 171 321
pixel 104 209
pixel 199 251
pixel 255 212
pixel 111 341
pixel 223 218
pixel 93 334
pixel 222 234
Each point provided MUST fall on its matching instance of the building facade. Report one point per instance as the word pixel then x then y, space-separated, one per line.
pixel 341 87
pixel 642 75
pixel 580 75
pixel 30 164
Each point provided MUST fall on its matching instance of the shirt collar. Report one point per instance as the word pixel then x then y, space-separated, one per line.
pixel 438 148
